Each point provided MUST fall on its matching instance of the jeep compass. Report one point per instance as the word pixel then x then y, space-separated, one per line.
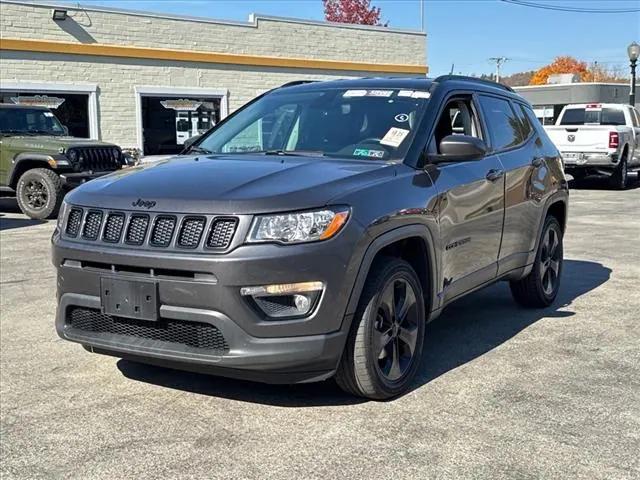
pixel 314 232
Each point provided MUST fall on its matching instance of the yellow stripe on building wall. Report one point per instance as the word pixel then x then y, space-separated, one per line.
pixel 103 50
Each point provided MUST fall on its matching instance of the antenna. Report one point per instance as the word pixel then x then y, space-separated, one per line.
pixel 499 61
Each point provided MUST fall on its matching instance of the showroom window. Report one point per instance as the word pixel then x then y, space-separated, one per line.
pixel 72 109
pixel 167 122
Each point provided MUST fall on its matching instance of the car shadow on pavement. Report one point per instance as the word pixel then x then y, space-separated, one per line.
pixel 11 223
pixel 602 183
pixel 9 205
pixel 466 330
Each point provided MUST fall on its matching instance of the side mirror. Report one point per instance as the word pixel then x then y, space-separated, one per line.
pixel 66 130
pixel 190 141
pixel 460 148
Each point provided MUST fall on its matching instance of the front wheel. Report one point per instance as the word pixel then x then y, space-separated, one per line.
pixel 385 343
pixel 540 288
pixel 39 193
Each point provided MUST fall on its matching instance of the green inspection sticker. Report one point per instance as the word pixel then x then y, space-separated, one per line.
pixel 365 152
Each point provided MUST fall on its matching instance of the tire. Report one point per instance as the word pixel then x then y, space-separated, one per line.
pixel 378 362
pixel 620 177
pixel 540 288
pixel 39 193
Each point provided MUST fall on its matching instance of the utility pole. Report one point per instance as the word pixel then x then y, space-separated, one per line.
pixel 499 61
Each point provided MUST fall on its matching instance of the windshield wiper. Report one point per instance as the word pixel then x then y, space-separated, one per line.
pixel 293 153
pixel 196 149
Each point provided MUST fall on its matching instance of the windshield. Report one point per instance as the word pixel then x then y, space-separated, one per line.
pixel 27 121
pixel 593 116
pixel 364 124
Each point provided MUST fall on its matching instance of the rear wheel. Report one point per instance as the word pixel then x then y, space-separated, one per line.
pixel 620 177
pixel 39 193
pixel 385 343
pixel 540 288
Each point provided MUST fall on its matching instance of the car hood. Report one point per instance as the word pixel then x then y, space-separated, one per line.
pixel 49 143
pixel 228 184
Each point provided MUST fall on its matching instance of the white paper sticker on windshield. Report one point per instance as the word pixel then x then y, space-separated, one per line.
pixel 419 94
pixel 48 114
pixel 405 93
pixel 380 93
pixel 355 93
pixel 394 137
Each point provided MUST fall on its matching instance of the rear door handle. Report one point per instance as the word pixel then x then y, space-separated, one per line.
pixel 537 162
pixel 494 174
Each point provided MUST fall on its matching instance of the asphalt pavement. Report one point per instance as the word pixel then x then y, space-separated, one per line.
pixel 503 392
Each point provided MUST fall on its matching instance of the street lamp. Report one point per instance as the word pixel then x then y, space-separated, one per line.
pixel 634 52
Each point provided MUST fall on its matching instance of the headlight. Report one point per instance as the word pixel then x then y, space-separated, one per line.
pixel 73 155
pixel 298 227
pixel 62 213
pixel 116 154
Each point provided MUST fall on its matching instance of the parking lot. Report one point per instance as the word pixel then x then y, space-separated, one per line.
pixel 503 392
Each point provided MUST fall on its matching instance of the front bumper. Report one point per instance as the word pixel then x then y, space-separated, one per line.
pixel 273 351
pixel 73 180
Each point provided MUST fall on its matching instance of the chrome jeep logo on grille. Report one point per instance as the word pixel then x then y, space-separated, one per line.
pixel 144 203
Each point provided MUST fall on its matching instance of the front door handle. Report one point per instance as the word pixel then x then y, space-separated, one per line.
pixel 494 174
pixel 537 162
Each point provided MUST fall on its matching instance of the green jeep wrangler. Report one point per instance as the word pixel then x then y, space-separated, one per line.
pixel 39 161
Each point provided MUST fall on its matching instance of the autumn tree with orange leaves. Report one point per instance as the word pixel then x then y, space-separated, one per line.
pixel 560 65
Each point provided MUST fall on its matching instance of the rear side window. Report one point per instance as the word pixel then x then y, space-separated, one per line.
pixel 593 116
pixel 503 125
pixel 525 125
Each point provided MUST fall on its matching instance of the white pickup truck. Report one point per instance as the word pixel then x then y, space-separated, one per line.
pixel 598 138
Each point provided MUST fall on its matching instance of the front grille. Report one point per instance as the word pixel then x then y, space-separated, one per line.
pixel 192 334
pixel 191 232
pixel 92 225
pixel 163 231
pixel 74 221
pixel 222 232
pixel 137 229
pixel 207 234
pixel 97 159
pixel 113 227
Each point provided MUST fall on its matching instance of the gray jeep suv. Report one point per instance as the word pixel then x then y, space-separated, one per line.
pixel 315 232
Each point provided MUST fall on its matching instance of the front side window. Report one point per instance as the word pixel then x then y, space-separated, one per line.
pixel 457 118
pixel 357 123
pixel 29 121
pixel 502 123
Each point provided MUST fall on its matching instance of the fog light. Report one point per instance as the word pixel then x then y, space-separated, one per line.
pixel 290 300
pixel 302 303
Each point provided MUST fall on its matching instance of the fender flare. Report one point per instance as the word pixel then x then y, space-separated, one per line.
pixel 22 157
pixel 385 239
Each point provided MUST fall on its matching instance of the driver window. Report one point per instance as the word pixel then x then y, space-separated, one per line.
pixel 457 118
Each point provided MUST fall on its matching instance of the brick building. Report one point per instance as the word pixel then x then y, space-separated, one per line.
pixel 149 81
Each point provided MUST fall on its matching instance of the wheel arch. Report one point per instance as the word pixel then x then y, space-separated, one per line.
pixel 26 161
pixel 413 243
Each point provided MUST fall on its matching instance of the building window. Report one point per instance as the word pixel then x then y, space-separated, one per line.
pixel 167 122
pixel 72 109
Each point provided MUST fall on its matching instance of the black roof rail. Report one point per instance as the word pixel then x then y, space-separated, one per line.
pixel 491 83
pixel 296 82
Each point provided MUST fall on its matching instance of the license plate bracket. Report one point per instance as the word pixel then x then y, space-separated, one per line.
pixel 129 298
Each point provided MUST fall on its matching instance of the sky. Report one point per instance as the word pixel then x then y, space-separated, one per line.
pixel 465 33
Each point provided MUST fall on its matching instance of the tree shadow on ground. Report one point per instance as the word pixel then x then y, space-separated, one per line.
pixel 466 330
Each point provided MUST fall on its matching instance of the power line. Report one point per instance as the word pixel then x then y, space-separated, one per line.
pixel 562 8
